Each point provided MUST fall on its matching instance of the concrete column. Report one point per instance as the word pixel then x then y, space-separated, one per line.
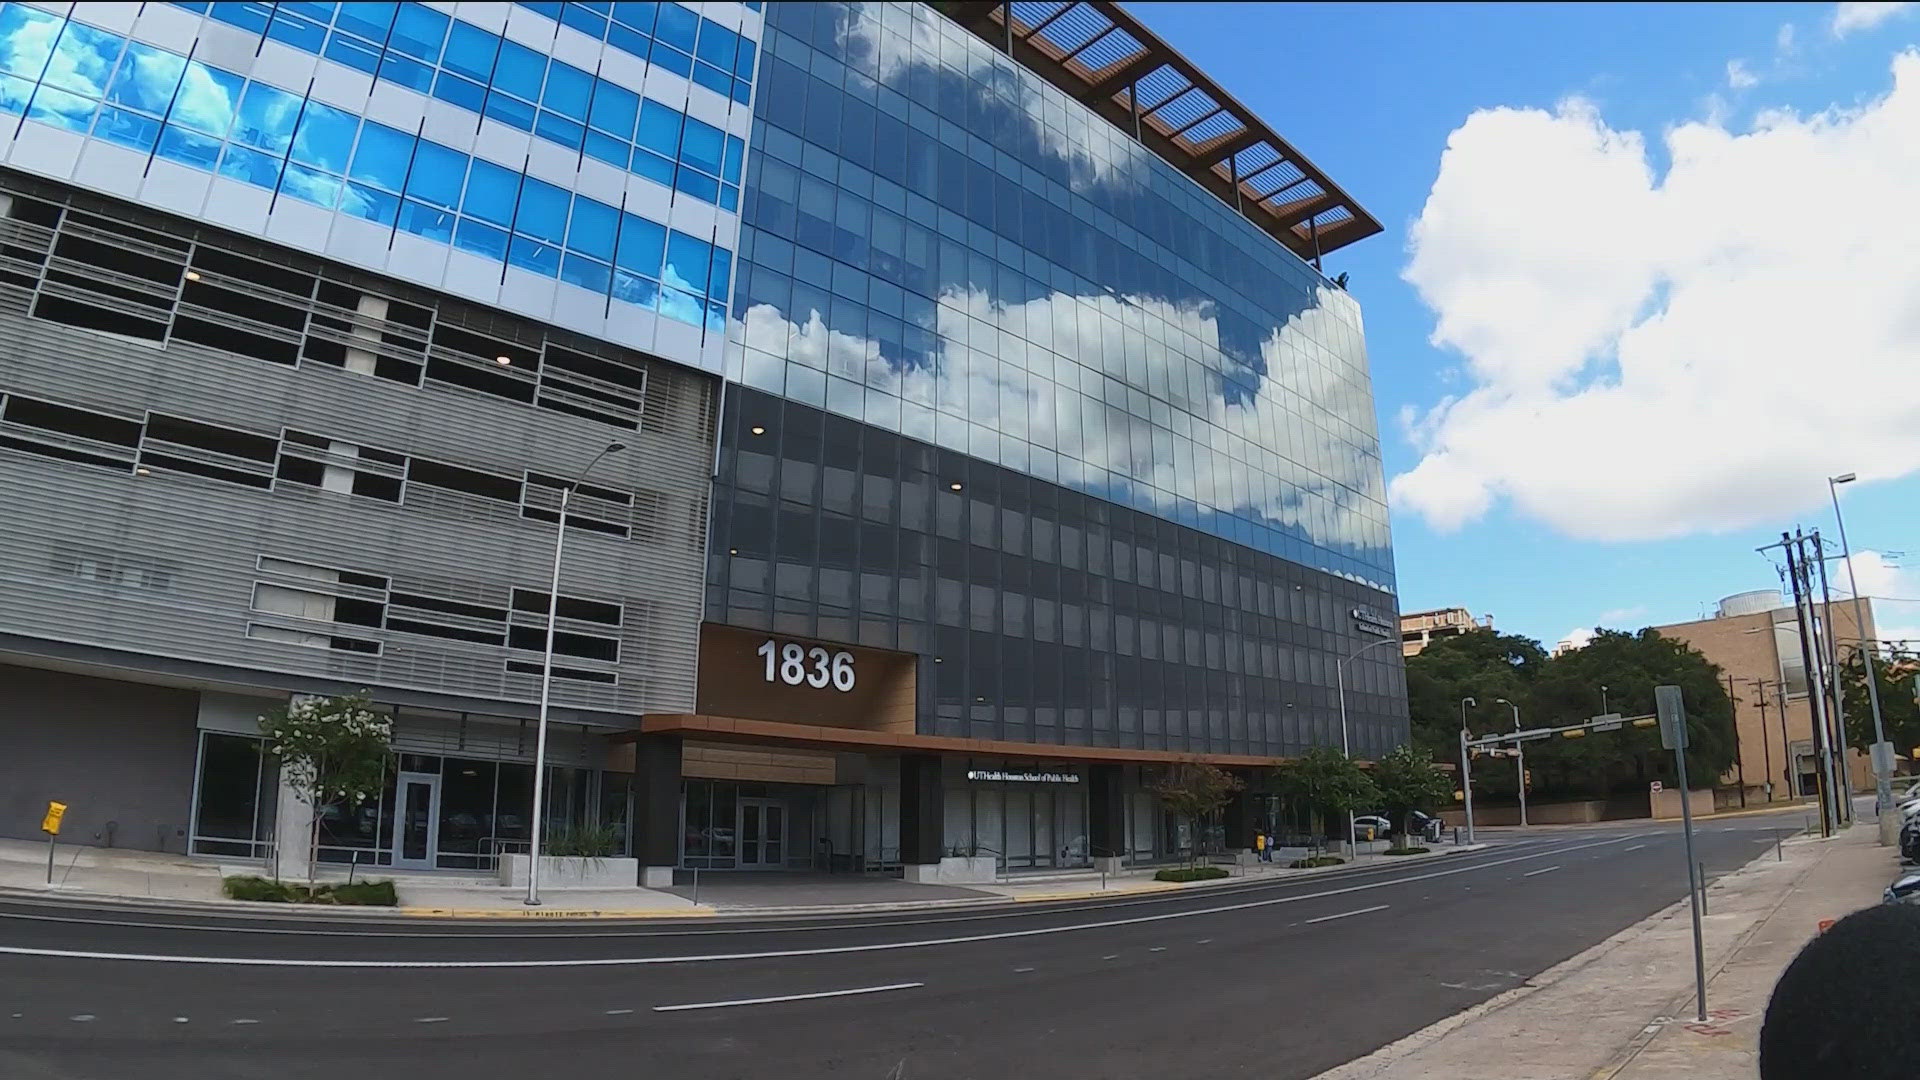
pixel 1106 815
pixel 1237 821
pixel 292 832
pixel 363 361
pixel 923 807
pixel 656 808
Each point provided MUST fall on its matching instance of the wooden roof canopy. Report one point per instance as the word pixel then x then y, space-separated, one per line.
pixel 1104 57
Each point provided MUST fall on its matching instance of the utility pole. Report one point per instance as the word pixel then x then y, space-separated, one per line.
pixel 1766 752
pixel 1786 744
pixel 1739 764
pixel 1838 721
pixel 1828 817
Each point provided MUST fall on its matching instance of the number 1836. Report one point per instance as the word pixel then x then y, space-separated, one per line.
pixel 793 663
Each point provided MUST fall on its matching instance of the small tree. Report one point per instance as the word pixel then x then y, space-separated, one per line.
pixel 1329 783
pixel 1193 790
pixel 1409 781
pixel 331 750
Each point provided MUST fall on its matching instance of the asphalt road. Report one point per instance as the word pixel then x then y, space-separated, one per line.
pixel 1276 980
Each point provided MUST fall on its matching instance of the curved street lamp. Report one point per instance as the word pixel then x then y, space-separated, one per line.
pixel 1882 783
pixel 546 679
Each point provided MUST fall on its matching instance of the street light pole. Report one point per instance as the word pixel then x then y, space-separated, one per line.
pixel 1340 676
pixel 1520 760
pixel 1603 701
pixel 537 818
pixel 1466 766
pixel 1882 783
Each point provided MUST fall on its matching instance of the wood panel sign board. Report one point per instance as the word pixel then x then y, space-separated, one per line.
pixel 753 675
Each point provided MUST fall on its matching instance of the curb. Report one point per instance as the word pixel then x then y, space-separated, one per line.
pixel 553 913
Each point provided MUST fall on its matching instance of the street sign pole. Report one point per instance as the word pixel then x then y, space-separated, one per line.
pixel 1466 782
pixel 1673 735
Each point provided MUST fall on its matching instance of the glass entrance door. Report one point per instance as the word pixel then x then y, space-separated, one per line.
pixel 416 830
pixel 763 834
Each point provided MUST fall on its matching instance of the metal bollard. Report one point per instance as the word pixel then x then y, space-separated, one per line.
pixel 1777 856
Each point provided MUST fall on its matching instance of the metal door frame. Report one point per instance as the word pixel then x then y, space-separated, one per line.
pixel 759 862
pixel 400 782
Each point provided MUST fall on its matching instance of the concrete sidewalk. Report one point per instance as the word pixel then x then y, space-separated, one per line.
pixel 1624 1009
pixel 111 875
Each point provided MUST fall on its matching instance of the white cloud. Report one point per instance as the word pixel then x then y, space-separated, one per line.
pixel 1850 17
pixel 1884 582
pixel 1643 350
pixel 1739 77
pixel 1783 41
pixel 1577 638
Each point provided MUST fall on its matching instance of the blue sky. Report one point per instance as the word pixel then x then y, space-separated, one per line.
pixel 1650 426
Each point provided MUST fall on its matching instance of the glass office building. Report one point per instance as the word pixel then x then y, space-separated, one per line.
pixel 990 435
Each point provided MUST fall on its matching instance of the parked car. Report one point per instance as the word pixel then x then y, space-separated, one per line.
pixel 1382 828
pixel 1904 890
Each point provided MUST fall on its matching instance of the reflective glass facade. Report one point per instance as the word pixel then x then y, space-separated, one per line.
pixel 1023 399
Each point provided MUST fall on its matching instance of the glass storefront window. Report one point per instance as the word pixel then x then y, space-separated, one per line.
pixel 233 814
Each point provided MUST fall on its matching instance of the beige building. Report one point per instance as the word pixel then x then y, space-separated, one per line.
pixel 1755 639
pixel 1418 629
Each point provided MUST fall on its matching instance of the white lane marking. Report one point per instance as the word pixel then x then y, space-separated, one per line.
pixel 1542 870
pixel 430 1020
pixel 619 1012
pixel 1635 847
pixel 179 1019
pixel 777 954
pixel 246 1021
pixel 787 997
pixel 1158 948
pixel 1111 956
pixel 1346 914
pixel 1204 941
pixel 647 932
pixel 1021 971
pixel 82 1018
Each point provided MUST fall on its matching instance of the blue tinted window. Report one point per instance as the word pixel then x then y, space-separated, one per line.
pixel 632 289
pixel 659 128
pixel 438 174
pixel 713 79
pixel 736 152
pixel 370 20
pixel 539 257
pixel 722 273
pixel 606 148
pixel 86 58
pixel 146 79
pixel 61 109
pixel 297 28
pixel 127 129
pixel 742 91
pixel 325 137
pixel 642 245
pixel 677 26
pixel 586 273
pixel 519 71
pixel 510 111
pixel 578 17
pixel 593 227
pixel 615 109
pixel 671 59
pixel 206 99
pixel 428 221
pixel 632 41
pixel 568 89
pixel 354 53
pixel 718 46
pixel 550 8
pixel 455 90
pixel 188 148
pixel 310 186
pixel 382 157
pixel 29 35
pixel 743 63
pixel 697 184
pixel 543 210
pixel 654 167
pixel 701 145
pixel 246 16
pixel 267 115
pixel 419 31
pixel 250 167
pixel 367 203
pixel 471 51
pixel 409 73
pixel 729 197
pixel 480 239
pixel 638 16
pixel 688 262
pixel 557 128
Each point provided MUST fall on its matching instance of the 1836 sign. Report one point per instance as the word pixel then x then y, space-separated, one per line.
pixel 793 663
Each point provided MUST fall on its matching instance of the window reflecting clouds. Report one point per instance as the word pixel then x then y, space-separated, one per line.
pixel 941 243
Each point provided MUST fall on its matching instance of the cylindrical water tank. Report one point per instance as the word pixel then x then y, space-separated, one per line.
pixel 1751 603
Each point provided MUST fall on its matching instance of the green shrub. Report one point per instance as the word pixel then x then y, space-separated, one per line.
pixel 581 839
pixel 1316 861
pixel 1190 873
pixel 1406 851
pixel 360 893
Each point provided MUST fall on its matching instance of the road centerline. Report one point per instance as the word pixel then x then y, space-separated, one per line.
pixel 1348 914
pixel 1542 870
